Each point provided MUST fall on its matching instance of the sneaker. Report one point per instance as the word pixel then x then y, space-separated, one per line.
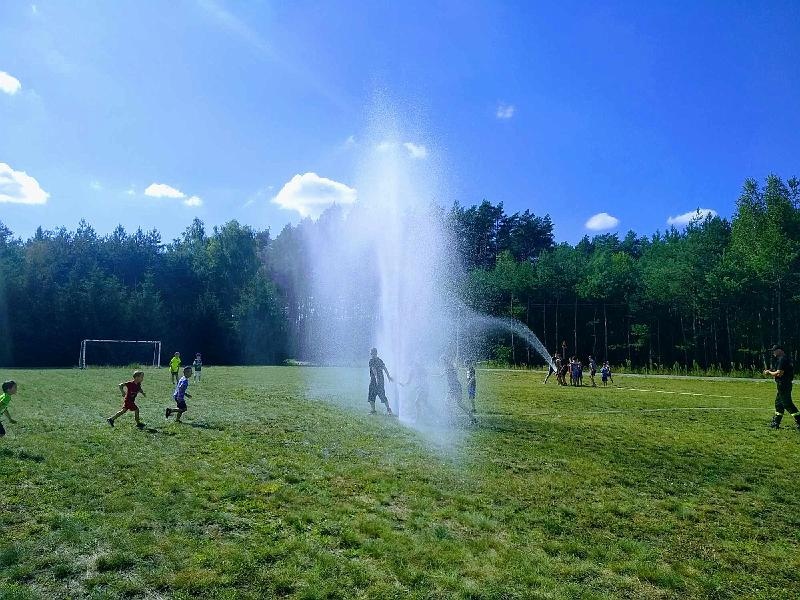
pixel 140 425
pixel 775 424
pixel 110 421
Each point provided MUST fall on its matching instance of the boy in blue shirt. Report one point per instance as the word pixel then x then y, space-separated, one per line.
pixel 180 396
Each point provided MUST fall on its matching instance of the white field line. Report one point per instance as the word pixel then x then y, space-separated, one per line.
pixel 625 410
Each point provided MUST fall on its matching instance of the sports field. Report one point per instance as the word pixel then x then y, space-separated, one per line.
pixel 272 488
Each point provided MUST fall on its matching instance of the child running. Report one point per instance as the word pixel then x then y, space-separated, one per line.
pixel 175 367
pixel 198 366
pixel 551 370
pixel 376 385
pixel 129 390
pixel 9 389
pixel 471 384
pixel 179 395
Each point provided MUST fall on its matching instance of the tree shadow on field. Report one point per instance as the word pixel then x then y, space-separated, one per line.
pixel 21 455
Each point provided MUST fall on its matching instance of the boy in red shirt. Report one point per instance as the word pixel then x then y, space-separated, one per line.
pixel 129 390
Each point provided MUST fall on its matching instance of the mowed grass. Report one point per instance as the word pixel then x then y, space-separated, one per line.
pixel 280 485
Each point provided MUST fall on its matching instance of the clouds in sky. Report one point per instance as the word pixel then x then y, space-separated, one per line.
pixel 309 194
pixel 417 151
pixel 9 84
pixel 601 221
pixel 505 111
pixel 20 188
pixel 692 215
pixel 162 190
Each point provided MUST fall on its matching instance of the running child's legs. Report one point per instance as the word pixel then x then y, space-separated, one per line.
pixel 118 414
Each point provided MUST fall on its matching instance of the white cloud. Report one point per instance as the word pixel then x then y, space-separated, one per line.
pixel 505 111
pixel 130 191
pixel 9 84
pixel 385 146
pixel 309 194
pixel 162 190
pixel 416 151
pixel 692 215
pixel 20 188
pixel 350 142
pixel 602 221
pixel 34 9
pixel 95 185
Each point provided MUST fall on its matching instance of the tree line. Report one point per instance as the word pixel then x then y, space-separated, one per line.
pixel 713 295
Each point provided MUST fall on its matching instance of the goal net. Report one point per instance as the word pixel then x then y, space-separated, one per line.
pixel 121 352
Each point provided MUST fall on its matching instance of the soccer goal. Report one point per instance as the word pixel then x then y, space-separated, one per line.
pixel 107 344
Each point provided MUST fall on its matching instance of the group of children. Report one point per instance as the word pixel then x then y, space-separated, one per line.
pixel 131 389
pixel 418 380
pixel 574 369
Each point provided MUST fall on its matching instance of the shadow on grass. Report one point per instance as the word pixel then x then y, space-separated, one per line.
pixel 21 454
pixel 155 431
pixel 204 425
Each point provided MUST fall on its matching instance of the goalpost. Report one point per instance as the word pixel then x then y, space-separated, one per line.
pixel 155 343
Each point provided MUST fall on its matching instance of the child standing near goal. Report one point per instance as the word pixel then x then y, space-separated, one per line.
pixel 9 389
pixel 180 396
pixel 197 365
pixel 175 367
pixel 129 390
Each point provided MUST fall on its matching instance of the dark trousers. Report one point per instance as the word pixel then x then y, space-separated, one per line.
pixel 783 402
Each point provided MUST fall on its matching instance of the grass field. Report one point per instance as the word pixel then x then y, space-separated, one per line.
pixel 277 489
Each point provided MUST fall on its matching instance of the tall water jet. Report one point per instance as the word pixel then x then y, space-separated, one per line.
pixel 385 273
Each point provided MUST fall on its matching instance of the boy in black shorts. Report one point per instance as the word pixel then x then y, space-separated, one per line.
pixel 376 385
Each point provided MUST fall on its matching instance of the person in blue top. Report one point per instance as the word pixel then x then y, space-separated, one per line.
pixel 605 374
pixel 180 396
pixel 592 370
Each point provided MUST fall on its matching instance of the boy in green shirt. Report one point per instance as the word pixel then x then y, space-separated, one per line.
pixel 9 389
pixel 175 367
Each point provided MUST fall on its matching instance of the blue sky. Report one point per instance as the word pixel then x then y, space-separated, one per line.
pixel 151 113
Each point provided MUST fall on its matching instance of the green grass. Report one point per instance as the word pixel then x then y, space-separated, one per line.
pixel 275 488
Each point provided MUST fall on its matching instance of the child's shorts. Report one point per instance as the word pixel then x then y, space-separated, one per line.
pixel 129 405
pixel 181 404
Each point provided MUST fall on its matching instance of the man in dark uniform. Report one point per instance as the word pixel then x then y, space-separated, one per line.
pixel 783 374
pixel 376 385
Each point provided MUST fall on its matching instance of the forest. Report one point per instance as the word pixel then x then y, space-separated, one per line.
pixel 711 296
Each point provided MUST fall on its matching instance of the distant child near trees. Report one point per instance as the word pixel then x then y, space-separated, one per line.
pixel 198 366
pixel 605 374
pixel 180 396
pixel 129 390
pixel 175 367
pixel 592 370
pixel 579 365
pixel 471 384
pixel 557 364
pixel 9 389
